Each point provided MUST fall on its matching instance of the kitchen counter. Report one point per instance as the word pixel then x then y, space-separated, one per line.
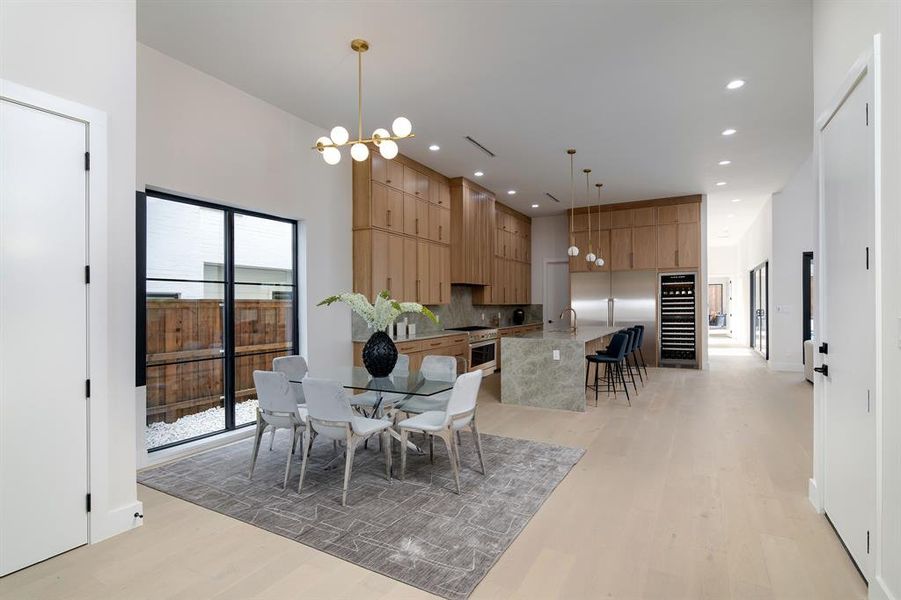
pixel 547 368
pixel 416 338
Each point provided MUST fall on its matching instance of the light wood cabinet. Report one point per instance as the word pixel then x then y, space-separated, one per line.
pixel 473 233
pixel 621 249
pixel 689 236
pixel 578 264
pixel 642 217
pixel 620 219
pixel 667 245
pixel 644 247
pixel 400 213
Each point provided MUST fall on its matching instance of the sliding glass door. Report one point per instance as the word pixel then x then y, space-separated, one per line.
pixel 219 302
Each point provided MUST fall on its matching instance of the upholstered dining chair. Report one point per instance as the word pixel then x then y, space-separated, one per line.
pixel 295 367
pixel 331 416
pixel 278 409
pixel 459 414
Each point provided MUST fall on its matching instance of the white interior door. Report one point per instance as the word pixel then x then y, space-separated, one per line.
pixel 850 455
pixel 556 290
pixel 43 335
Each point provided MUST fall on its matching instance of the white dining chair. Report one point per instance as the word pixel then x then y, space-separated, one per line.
pixel 278 409
pixel 459 414
pixel 295 367
pixel 437 368
pixel 331 416
pixel 368 400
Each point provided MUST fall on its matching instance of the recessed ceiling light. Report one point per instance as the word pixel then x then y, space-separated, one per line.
pixel 478 173
pixel 723 163
pixel 511 192
pixel 728 131
pixel 721 183
pixel 736 199
pixel 434 147
pixel 735 84
pixel 534 206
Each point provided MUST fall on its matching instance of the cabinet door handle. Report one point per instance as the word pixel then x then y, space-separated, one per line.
pixel 389 284
pixel 388 217
pixel 631 260
pixel 440 291
pixel 417 290
pixel 440 233
pixel 417 225
pixel 677 258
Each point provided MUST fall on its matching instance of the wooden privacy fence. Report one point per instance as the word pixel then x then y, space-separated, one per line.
pixel 185 353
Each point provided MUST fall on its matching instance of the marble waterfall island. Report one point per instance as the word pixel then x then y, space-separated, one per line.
pixel 547 368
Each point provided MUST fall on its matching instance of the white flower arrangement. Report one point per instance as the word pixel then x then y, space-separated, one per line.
pixel 381 314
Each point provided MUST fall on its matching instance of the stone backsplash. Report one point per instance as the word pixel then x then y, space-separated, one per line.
pixel 461 312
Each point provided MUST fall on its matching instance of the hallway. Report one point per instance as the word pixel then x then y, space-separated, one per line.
pixel 697 491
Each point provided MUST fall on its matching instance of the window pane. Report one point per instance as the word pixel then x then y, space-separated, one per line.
pixel 264 251
pixel 185 363
pixel 184 241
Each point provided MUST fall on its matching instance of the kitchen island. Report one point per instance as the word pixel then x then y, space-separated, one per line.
pixel 546 368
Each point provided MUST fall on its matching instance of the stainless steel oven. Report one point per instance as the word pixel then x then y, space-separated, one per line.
pixel 482 347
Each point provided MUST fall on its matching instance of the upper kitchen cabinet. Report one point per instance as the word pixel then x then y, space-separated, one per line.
pixel 688 212
pixel 510 278
pixel 402 230
pixel 473 232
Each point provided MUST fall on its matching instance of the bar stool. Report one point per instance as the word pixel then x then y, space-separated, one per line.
pixel 636 340
pixel 612 359
pixel 644 365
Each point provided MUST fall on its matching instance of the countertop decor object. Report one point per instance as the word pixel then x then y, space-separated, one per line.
pixel 328 145
pixel 379 353
pixel 519 316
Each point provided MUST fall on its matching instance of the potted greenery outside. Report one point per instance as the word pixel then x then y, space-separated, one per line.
pixel 379 353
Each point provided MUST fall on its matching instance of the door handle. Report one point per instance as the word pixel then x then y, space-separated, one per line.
pixel 824 370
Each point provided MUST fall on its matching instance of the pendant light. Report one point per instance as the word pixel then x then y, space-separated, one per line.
pixel 573 249
pixel 591 256
pixel 599 261
pixel 328 146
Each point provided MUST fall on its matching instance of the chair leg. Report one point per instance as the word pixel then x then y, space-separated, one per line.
pixel 631 374
pixel 403 454
pixel 305 452
pixel 385 443
pixel 448 438
pixel 271 439
pixel 596 368
pixel 348 467
pixel 637 367
pixel 587 371
pixel 622 377
pixel 258 438
pixel 478 440
pixel 643 363
pixel 288 466
pixel 431 449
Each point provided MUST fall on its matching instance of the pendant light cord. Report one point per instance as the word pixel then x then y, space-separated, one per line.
pixel 572 201
pixel 359 95
pixel 588 203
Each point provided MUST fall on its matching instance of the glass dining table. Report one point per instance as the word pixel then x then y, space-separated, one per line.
pixel 408 385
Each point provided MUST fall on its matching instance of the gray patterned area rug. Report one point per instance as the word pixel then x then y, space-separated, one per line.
pixel 417 531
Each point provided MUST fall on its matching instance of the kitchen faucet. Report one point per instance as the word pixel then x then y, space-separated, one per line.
pixel 570 309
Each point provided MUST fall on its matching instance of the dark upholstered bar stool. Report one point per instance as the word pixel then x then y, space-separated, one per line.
pixel 612 359
pixel 630 347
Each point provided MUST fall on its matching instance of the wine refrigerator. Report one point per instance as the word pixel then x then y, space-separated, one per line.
pixel 678 320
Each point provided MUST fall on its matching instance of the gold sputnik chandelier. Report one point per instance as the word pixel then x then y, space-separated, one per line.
pixel 401 128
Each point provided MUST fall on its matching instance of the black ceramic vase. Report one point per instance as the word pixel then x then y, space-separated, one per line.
pixel 379 355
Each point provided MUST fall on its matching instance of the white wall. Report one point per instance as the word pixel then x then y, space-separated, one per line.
pixel 842 31
pixel 794 232
pixel 550 239
pixel 200 137
pixel 85 52
pixel 754 248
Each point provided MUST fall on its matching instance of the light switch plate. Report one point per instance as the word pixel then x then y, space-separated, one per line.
pixel 556 355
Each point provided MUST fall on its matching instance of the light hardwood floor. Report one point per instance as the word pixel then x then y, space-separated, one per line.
pixel 697 491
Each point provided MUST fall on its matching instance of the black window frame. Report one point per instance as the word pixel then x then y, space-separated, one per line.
pixel 228 298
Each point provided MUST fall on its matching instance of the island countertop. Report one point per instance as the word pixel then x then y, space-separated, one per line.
pixel 586 333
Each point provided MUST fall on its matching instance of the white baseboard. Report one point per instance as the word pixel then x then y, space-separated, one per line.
pixel 789 367
pixel 879 591
pixel 116 521
pixel 813 495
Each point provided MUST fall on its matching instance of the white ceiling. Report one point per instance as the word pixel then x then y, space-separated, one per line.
pixel 638 88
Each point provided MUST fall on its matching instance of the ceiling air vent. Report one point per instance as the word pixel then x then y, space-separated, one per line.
pixel 552 197
pixel 480 147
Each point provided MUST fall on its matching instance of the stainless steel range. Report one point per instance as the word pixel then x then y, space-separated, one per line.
pixel 482 347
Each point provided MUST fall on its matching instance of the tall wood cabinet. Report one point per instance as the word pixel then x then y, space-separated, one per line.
pixel 401 230
pixel 472 232
pixel 511 280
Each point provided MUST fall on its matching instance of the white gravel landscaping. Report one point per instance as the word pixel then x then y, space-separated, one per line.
pixel 212 419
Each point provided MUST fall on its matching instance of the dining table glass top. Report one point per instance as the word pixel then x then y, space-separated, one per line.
pixel 412 383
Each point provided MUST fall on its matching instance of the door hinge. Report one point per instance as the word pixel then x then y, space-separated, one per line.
pixel 868 542
pixel 87 161
pixel 868 258
pixel 87 388
pixel 87 274
pixel 867 109
pixel 87 503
